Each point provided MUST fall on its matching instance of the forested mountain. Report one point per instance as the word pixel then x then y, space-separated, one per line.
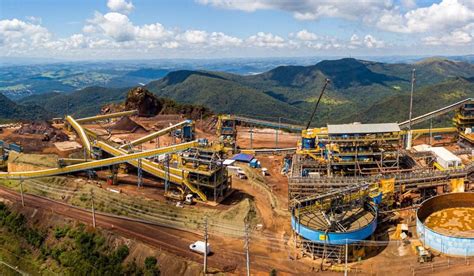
pixel 359 91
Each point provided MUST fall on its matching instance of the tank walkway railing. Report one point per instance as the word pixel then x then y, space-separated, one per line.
pixel 434 113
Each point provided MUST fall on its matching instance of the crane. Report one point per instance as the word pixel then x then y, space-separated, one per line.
pixel 317 103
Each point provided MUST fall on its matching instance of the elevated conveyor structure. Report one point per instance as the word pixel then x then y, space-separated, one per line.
pixel 106 116
pixel 270 124
pixel 434 113
pixel 158 133
pixel 175 175
pixel 96 163
pixel 81 132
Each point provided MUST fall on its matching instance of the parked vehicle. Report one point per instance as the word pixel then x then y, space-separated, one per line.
pixel 199 247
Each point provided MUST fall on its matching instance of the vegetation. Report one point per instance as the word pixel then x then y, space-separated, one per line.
pixel 357 91
pixel 74 251
pixel 12 111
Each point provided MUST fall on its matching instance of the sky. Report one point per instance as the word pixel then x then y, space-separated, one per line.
pixel 153 29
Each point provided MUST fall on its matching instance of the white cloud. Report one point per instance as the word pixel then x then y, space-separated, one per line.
pixel 221 39
pixel 19 34
pixel 120 6
pixel 152 32
pixel 446 15
pixel 307 9
pixel 119 27
pixel 305 35
pixel 458 37
pixel 401 16
pixel 371 42
pixel 355 40
pixel 170 45
pixel 409 4
pixel 194 36
pixel 114 25
pixel 262 39
pixel 243 5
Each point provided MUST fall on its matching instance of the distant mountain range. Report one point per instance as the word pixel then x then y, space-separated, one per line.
pixel 360 90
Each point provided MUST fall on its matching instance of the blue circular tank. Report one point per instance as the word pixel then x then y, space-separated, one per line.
pixel 454 243
pixel 308 143
pixel 360 232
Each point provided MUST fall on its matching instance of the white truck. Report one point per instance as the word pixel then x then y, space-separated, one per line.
pixel 199 247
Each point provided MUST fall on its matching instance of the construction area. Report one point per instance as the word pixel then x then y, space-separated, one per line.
pixel 265 195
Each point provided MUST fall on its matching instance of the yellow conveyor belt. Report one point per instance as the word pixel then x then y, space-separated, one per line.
pixel 106 116
pixel 96 163
pixel 158 133
pixel 175 175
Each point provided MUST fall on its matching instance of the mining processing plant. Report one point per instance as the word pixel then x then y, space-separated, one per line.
pixel 344 183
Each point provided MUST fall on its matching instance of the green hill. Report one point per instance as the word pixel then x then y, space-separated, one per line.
pixel 359 91
pixel 80 103
pixel 12 111
pixel 396 108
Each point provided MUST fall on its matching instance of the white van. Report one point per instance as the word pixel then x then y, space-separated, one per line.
pixel 199 247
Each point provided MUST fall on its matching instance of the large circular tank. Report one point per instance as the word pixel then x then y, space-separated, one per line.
pixel 445 223
pixel 353 225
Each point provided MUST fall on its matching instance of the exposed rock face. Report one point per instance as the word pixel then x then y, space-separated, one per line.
pixel 144 101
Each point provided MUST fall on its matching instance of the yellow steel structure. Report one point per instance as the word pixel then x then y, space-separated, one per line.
pixel 106 116
pixel 161 132
pixel 81 132
pixel 422 131
pixel 97 163
pixel 175 175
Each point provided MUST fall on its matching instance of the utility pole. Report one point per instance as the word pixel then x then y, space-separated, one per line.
pixel 21 191
pixel 431 131
pixel 276 133
pixel 409 136
pixel 205 246
pixel 251 137
pixel 93 209
pixel 247 246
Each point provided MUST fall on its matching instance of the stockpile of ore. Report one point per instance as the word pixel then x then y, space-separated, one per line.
pixel 127 124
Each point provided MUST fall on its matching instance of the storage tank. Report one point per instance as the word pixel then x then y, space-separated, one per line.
pixel 445 223
pixel 353 225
